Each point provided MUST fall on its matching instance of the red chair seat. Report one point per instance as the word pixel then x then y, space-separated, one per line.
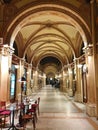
pixel 5 112
pixel 1 110
pixel 31 110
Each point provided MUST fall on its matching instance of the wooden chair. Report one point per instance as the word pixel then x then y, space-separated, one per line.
pixel 35 108
pixel 28 117
pixel 38 105
pixel 1 122
pixel 5 113
pixel 32 111
pixel 3 104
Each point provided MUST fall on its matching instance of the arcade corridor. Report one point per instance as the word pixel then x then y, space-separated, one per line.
pixel 51 42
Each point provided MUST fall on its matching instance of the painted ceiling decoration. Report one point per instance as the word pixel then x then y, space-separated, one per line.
pixel 48 33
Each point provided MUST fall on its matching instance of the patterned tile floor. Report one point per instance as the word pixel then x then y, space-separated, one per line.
pixel 58 112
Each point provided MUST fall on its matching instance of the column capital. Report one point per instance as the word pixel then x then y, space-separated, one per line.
pixel 30 66
pixel 76 61
pixel 89 50
pixel 6 50
pixel 92 1
pixel 22 60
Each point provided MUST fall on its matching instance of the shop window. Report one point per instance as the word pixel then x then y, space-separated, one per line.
pixel 13 82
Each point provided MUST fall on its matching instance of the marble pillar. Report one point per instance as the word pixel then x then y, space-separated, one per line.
pixel 92 62
pixel 35 81
pixel 5 66
pixel 20 72
pixel 78 93
pixel 29 92
pixel 70 91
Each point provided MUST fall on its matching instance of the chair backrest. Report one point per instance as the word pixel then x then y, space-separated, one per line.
pixel 22 106
pixel 33 106
pixel 16 103
pixel 3 104
pixel 38 100
pixel 12 100
pixel 35 101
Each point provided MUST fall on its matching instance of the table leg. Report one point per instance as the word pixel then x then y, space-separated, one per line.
pixel 12 121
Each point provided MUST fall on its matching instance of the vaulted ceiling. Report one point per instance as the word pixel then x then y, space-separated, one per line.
pixel 45 29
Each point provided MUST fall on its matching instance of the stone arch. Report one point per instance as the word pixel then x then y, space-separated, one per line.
pixel 13 27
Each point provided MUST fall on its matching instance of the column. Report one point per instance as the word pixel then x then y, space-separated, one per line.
pixel 60 78
pixel 64 80
pixel 64 83
pixel 20 72
pixel 29 91
pixel 70 91
pixel 95 48
pixel 91 95
pixel 35 77
pixel 44 80
pixel 5 65
pixel 78 93
pixel 92 62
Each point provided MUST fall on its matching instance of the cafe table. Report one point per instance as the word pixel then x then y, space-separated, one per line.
pixel 28 104
pixel 13 108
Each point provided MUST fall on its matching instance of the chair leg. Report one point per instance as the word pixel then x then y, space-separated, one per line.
pixel 34 124
pixel 38 111
pixel 1 122
pixel 4 120
pixel 35 116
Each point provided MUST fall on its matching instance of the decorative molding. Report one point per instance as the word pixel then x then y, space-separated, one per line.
pixel 91 109
pixel 1 40
pixel 6 50
pixel 89 50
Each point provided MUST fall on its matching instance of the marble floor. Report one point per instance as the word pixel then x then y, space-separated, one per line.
pixel 59 112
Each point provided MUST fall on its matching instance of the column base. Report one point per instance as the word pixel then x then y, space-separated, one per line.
pixel 78 97
pixel 70 93
pixel 64 89
pixel 34 89
pixel 91 109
